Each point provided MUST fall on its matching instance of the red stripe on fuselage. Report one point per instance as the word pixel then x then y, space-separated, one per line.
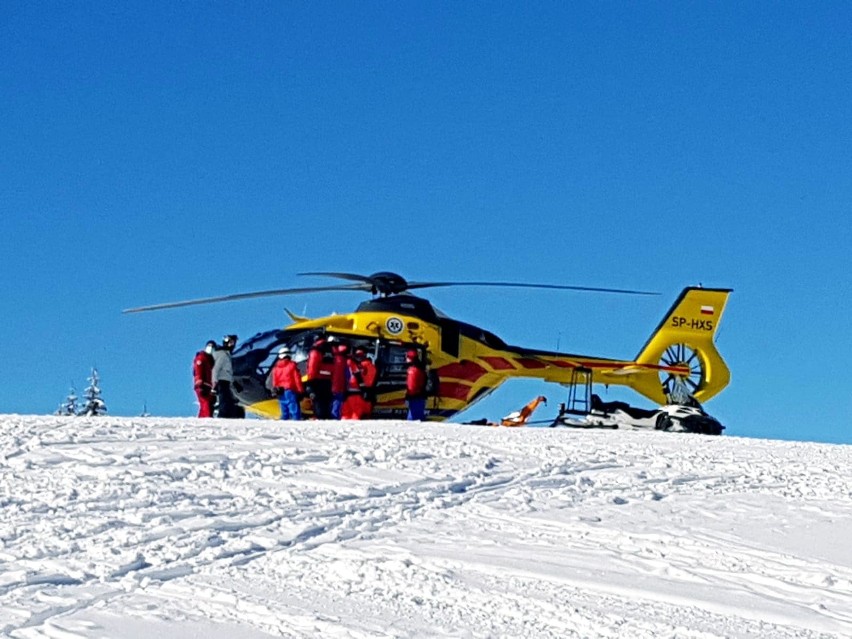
pixel 526 362
pixel 466 370
pixel 563 364
pixel 453 390
pixel 498 363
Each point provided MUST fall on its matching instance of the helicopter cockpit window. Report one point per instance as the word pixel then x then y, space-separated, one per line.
pixel 250 356
pixel 300 346
pixel 260 341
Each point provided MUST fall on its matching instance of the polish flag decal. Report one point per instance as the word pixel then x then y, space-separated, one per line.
pixel 708 310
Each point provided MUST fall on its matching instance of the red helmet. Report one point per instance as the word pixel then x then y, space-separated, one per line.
pixel 412 354
pixel 319 341
pixel 342 348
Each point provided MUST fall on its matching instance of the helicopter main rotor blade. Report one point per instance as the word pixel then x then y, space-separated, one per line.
pixel 342 276
pixel 384 283
pixel 245 296
pixel 387 282
pixel 565 287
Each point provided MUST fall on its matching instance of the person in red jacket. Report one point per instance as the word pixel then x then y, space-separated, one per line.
pixel 318 378
pixel 339 380
pixel 362 380
pixel 202 374
pixel 415 387
pixel 287 385
pixel 368 373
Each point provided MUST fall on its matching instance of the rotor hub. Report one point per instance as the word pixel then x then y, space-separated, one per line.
pixel 386 283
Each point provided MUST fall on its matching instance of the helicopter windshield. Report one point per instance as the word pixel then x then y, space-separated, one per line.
pixel 250 356
pixel 261 341
pixel 258 353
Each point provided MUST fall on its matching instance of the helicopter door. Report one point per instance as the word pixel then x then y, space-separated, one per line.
pixel 391 367
pixel 392 371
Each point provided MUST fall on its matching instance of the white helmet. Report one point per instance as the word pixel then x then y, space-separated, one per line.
pixel 283 352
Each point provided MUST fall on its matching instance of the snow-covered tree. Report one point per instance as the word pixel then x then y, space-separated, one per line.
pixel 94 403
pixel 69 406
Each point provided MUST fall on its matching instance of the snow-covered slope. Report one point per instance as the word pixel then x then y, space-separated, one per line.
pixel 244 529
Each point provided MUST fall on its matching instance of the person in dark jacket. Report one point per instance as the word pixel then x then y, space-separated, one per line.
pixel 202 374
pixel 287 385
pixel 318 378
pixel 415 387
pixel 223 377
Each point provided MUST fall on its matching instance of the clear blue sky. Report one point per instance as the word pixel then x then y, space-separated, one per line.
pixel 152 152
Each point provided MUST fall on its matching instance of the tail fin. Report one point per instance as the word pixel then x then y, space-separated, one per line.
pixel 685 338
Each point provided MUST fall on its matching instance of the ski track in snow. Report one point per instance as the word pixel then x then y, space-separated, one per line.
pixel 121 527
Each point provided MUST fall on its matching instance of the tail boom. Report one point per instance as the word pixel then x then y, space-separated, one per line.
pixel 680 349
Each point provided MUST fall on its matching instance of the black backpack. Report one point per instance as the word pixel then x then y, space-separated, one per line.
pixel 433 383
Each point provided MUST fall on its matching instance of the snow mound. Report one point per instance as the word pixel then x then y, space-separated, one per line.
pixel 243 529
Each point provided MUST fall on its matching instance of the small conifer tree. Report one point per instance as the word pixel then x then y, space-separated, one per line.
pixel 95 405
pixel 69 406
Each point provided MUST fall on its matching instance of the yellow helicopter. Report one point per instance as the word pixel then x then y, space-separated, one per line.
pixel 466 362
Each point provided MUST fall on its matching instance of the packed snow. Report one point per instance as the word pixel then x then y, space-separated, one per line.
pixel 173 528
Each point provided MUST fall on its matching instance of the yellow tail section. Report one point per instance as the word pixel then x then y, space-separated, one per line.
pixel 685 339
